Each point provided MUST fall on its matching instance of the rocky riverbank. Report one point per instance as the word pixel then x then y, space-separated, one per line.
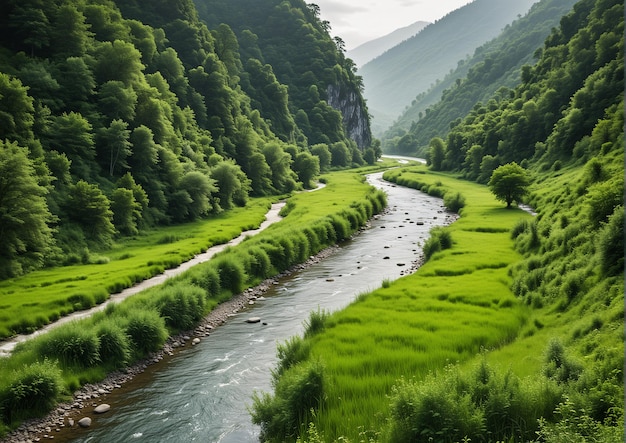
pixel 80 410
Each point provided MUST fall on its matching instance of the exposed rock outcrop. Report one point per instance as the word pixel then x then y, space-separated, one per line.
pixel 356 121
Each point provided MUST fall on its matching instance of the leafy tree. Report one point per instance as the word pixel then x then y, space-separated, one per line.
pixel 200 188
pixel 25 235
pixel 126 211
pixel 509 183
pixel 16 110
pixel 283 178
pixel 114 146
pixel 322 152
pixel 340 154
pixel 307 167
pixel 89 208
pixel 72 134
pixel 437 153
pixel 232 184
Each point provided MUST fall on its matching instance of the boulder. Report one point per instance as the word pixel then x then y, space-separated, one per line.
pixel 101 409
pixel 253 320
pixel 84 422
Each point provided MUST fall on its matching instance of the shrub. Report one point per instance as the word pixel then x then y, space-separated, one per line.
pixel 440 239
pixel 72 344
pixel 299 391
pixel 31 391
pixel 454 202
pixel 258 263
pixel 206 277
pixel 181 305
pixel 232 274
pixel 558 365
pixel 611 244
pixel 146 329
pixel 290 353
pixel 115 347
pixel 341 227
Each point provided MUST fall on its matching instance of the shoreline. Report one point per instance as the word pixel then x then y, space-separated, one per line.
pixel 67 414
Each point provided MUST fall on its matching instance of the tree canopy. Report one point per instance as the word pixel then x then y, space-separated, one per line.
pixel 509 183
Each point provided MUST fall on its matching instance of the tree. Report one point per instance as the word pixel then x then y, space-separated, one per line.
pixel 88 207
pixel 509 183
pixel 436 153
pixel 24 216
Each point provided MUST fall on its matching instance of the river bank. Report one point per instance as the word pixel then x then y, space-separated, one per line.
pixel 86 399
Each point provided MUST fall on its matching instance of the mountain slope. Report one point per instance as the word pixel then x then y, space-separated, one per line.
pixel 496 64
pixel 394 79
pixel 373 48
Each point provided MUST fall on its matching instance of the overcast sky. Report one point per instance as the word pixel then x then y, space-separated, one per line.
pixel 358 21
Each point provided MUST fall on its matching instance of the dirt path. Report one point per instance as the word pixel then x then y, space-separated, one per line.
pixel 272 216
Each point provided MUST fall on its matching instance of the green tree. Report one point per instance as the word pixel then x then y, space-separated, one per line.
pixel 126 211
pixel 436 153
pixel 307 167
pixel 232 184
pixel 114 146
pixel 509 183
pixel 322 152
pixel 25 235
pixel 89 208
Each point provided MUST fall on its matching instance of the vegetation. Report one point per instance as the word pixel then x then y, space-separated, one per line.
pixel 85 351
pixel 117 117
pixel 509 183
pixel 515 331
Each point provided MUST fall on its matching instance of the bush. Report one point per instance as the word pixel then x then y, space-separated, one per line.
pixel 232 274
pixel 454 202
pixel 31 391
pixel 115 347
pixel 181 305
pixel 258 263
pixel 146 329
pixel 299 391
pixel 558 365
pixel 206 277
pixel 440 239
pixel 72 344
pixel 316 322
pixel 290 353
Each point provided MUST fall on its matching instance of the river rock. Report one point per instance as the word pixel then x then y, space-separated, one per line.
pixel 195 341
pixel 253 320
pixel 101 409
pixel 84 422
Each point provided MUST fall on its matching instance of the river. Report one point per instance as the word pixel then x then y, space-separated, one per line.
pixel 203 392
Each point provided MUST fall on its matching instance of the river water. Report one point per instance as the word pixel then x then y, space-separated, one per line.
pixel 203 392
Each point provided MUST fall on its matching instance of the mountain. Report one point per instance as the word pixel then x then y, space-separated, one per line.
pixel 373 48
pixel 395 78
pixel 496 64
pixel 290 37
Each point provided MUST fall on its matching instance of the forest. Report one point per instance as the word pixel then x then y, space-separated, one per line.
pixel 117 117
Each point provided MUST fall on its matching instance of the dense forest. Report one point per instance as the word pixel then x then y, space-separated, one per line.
pixel 117 116
pixel 495 65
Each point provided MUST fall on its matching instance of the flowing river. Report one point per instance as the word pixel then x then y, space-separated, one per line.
pixel 203 392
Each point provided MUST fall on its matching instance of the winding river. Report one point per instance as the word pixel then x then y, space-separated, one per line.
pixel 203 392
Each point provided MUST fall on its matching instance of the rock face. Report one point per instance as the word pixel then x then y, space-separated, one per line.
pixel 356 120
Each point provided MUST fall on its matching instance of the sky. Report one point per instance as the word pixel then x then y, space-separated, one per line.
pixel 358 21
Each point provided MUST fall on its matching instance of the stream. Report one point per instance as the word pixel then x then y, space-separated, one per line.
pixel 203 392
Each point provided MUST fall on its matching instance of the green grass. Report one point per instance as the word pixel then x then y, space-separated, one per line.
pixel 36 299
pixel 457 305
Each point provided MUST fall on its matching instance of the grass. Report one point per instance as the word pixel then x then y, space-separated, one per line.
pixel 455 306
pixel 41 297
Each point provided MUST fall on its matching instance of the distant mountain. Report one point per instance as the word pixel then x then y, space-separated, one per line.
pixel 373 48
pixel 395 78
pixel 496 64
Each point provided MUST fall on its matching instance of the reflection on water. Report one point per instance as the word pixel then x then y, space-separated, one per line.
pixel 203 392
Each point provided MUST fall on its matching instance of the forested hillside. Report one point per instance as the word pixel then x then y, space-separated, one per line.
pixel 291 38
pixel 494 67
pixel 116 116
pixel 394 79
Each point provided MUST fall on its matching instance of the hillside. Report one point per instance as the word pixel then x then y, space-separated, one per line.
pixel 116 117
pixel 291 38
pixel 513 329
pixel 373 48
pixel 395 78
pixel 496 64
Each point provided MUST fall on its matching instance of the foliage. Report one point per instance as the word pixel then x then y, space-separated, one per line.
pixel 24 215
pixel 509 183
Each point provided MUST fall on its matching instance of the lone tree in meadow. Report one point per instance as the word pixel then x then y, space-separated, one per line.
pixel 509 183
